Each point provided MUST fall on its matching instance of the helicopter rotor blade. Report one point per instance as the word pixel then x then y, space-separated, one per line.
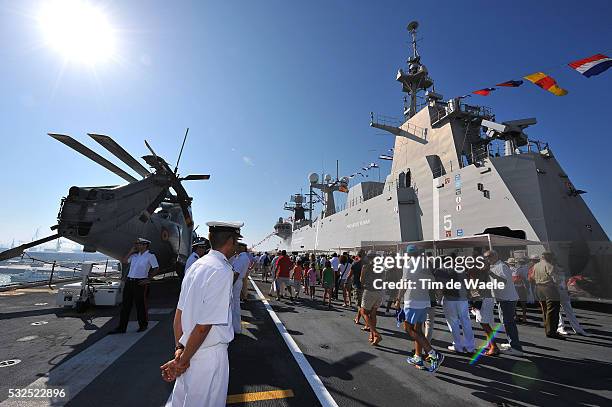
pixel 150 148
pixel 195 177
pixel 18 251
pixel 115 149
pixel 92 155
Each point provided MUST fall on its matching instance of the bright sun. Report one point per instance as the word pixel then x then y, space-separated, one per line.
pixel 78 30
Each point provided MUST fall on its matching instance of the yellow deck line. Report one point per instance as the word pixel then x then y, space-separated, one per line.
pixel 259 396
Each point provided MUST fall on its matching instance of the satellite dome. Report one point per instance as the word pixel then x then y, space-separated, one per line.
pixel 313 177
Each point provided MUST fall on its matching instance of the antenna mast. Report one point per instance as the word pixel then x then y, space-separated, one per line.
pixel 181 152
pixel 416 79
pixel 412 29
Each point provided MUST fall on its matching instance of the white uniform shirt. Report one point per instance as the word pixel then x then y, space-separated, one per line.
pixel 190 260
pixel 206 296
pixel 335 263
pixel 140 264
pixel 240 263
pixel 508 293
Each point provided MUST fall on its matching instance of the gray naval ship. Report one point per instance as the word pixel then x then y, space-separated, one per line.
pixel 456 173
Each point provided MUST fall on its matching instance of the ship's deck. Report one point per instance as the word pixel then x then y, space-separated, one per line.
pixel 105 370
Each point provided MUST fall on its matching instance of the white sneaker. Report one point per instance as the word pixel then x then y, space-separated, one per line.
pixel 512 351
pixel 505 346
pixel 562 332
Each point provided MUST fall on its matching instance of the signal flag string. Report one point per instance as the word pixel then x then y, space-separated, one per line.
pixel 590 66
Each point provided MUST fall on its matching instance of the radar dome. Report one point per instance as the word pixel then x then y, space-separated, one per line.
pixel 313 177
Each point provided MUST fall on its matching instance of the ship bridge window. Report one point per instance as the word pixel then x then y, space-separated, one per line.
pixel 506 231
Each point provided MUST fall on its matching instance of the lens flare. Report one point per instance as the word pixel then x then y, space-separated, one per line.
pixel 485 345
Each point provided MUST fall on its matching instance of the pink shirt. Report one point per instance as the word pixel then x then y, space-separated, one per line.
pixel 312 276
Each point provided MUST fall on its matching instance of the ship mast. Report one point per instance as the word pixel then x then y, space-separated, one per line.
pixel 416 79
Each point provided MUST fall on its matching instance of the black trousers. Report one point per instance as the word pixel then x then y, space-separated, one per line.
pixel 336 286
pixel 134 293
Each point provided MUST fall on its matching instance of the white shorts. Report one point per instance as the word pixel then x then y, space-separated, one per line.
pixel 485 315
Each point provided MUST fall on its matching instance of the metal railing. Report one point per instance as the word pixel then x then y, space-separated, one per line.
pixel 386 120
pixel 395 122
pixel 441 110
pixel 480 111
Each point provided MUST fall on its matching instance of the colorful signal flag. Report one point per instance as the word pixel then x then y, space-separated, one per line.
pixel 546 82
pixel 510 84
pixel 593 65
pixel 484 92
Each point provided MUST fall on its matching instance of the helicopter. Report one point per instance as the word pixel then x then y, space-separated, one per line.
pixel 108 219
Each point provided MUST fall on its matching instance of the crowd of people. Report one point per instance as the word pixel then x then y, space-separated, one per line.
pixel 349 280
pixel 207 318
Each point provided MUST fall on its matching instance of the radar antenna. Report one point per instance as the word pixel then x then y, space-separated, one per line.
pixel 412 27
pixel 417 78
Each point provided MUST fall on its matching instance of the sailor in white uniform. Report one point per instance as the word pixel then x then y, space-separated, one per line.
pixel 199 250
pixel 143 266
pixel 203 325
pixel 240 263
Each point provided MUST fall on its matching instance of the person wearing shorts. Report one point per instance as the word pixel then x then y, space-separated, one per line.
pixel 284 265
pixel 328 276
pixel 371 299
pixel 416 302
pixel 483 306
pixel 344 274
pixel 311 280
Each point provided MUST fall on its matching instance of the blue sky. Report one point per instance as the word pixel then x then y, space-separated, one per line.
pixel 273 90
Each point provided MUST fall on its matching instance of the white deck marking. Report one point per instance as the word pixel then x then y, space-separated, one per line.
pixel 77 372
pixel 315 382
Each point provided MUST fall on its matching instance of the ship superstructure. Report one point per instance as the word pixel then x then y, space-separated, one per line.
pixel 458 172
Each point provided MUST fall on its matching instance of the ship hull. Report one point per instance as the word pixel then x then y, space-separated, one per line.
pixel 526 196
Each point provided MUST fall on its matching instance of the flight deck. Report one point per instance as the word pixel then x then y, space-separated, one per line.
pixel 60 348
